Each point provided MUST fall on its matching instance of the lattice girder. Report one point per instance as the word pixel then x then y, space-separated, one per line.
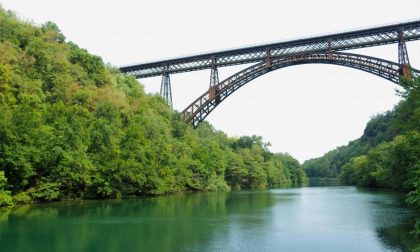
pixel 335 42
pixel 197 111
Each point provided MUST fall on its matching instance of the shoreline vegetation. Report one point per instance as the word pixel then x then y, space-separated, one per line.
pixel 73 127
pixel 324 181
pixel 386 156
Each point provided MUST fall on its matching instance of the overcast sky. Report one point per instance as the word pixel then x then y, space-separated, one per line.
pixel 303 110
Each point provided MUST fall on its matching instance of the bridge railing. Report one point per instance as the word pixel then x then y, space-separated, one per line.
pixel 335 42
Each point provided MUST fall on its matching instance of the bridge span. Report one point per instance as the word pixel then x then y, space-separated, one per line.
pixel 324 49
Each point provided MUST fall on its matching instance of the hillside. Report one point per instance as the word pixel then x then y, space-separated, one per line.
pixel 387 155
pixel 72 127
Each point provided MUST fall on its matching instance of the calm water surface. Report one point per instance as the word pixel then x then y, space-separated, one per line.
pixel 298 219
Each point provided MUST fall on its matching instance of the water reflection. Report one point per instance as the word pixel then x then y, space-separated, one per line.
pixel 396 238
pixel 326 219
pixel 171 223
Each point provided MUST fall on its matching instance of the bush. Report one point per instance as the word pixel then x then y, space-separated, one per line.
pixel 45 191
pixel 22 198
pixel 3 180
pixel 5 199
pixel 71 127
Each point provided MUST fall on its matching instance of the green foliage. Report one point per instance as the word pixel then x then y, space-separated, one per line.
pixel 3 181
pixel 331 163
pixel 52 32
pixel 256 167
pixel 22 198
pixel 5 199
pixel 45 191
pixel 413 198
pixel 92 65
pixel 387 154
pixel 71 127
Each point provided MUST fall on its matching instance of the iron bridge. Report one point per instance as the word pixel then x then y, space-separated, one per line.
pixel 325 49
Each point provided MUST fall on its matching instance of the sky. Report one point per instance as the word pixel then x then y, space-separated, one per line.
pixel 304 110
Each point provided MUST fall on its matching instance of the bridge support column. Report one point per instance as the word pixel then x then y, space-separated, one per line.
pixel 165 89
pixel 214 77
pixel 330 52
pixel 405 70
pixel 214 82
pixel 268 61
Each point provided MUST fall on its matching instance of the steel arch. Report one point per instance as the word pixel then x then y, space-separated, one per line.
pixel 198 110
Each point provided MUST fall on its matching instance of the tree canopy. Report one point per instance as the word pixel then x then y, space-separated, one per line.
pixel 72 127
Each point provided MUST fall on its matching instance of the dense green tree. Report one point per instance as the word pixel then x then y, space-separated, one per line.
pixel 389 146
pixel 387 155
pixel 5 198
pixel 72 127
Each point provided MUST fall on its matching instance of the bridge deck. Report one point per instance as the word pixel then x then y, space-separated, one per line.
pixel 336 42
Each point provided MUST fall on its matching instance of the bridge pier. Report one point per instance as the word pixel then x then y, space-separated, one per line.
pixel 325 49
pixel 268 61
pixel 330 51
pixel 214 81
pixel 165 89
pixel 214 77
pixel 399 33
pixel 405 70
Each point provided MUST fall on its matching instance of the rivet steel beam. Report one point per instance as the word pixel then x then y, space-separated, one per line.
pixel 198 110
pixel 165 89
pixel 214 76
pixel 389 34
pixel 402 49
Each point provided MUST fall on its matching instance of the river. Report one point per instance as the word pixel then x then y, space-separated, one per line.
pixel 340 218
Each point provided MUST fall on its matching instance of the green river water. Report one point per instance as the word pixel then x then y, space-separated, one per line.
pixel 340 218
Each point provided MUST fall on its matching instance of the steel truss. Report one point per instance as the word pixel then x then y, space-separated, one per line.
pixel 214 77
pixel 197 111
pixel 397 33
pixel 165 89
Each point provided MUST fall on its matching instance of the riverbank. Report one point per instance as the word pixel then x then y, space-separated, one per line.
pixel 324 181
pixel 261 220
pixel 74 127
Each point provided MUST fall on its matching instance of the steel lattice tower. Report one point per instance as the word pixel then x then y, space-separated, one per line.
pixel 214 77
pixel 402 50
pixel 321 49
pixel 165 89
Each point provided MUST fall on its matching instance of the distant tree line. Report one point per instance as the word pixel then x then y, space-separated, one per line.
pixel 387 155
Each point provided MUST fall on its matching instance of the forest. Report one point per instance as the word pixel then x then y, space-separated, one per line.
pixel 387 155
pixel 73 127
